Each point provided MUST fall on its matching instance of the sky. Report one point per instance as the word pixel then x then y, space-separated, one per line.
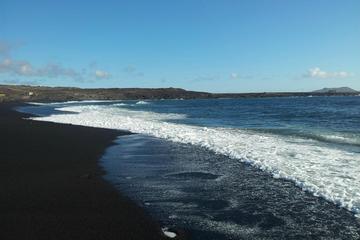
pixel 203 45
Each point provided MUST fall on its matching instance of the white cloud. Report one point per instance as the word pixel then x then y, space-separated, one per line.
pixel 50 70
pixel 102 74
pixel 234 76
pixel 318 73
pixel 22 68
pixel 25 68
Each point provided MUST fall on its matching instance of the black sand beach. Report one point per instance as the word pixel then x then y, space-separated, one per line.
pixel 51 186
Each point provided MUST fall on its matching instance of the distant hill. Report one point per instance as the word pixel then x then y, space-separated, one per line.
pixel 51 94
pixel 12 93
pixel 337 90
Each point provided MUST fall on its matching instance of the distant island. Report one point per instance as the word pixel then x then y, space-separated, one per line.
pixel 337 90
pixel 20 93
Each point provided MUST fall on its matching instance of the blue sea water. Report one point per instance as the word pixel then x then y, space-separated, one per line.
pixel 259 168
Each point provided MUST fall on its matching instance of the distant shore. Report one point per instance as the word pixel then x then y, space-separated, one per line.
pixel 51 186
pixel 11 93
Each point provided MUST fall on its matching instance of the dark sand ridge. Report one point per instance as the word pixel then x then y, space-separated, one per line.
pixel 51 186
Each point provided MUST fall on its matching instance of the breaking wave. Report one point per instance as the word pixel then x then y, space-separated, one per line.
pixel 142 102
pixel 331 173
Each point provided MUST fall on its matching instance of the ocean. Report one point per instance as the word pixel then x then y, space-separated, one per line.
pixel 255 168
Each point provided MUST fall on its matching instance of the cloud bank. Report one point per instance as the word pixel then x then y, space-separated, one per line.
pixel 24 68
pixel 318 73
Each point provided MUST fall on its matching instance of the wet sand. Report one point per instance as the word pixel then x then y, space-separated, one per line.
pixel 51 185
pixel 215 197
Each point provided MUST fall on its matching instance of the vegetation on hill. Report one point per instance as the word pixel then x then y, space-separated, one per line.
pixel 51 94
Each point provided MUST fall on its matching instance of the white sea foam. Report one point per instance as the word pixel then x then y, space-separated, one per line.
pixel 346 139
pixel 142 102
pixel 37 103
pixel 70 102
pixel 168 233
pixel 327 172
pixel 120 104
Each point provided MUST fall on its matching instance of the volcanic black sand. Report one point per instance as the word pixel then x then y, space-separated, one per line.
pixel 52 188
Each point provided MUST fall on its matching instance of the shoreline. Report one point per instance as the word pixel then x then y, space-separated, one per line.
pixel 52 186
pixel 335 216
pixel 10 93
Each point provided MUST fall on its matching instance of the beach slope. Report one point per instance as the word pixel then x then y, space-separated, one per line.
pixel 51 186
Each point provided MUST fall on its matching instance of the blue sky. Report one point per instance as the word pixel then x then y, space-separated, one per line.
pixel 217 45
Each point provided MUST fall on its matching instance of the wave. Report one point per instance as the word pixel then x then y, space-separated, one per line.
pixel 120 104
pixel 324 171
pixel 71 102
pixel 142 102
pixel 38 103
pixel 339 138
pixel 334 137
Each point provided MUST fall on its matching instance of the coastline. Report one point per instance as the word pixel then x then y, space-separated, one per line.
pixel 52 186
pixel 275 218
pixel 10 93
pixel 328 216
